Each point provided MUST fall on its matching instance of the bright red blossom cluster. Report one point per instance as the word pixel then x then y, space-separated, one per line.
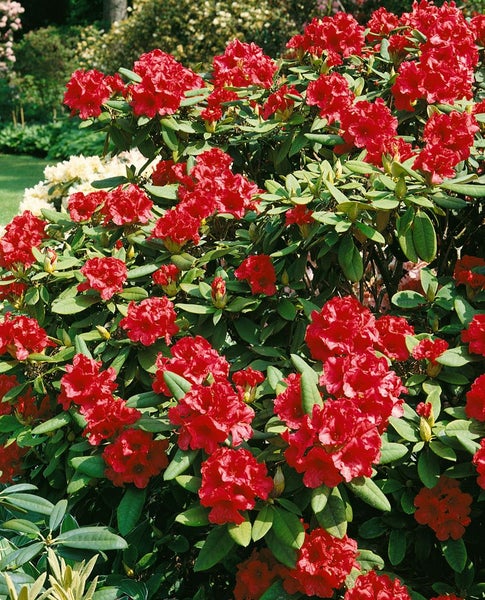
pixel 259 272
pixel 232 479
pixel 24 232
pixel 105 275
pixel 88 90
pixel 475 334
pixel 149 320
pixel 21 336
pixel 372 586
pixel 444 508
pixel 464 272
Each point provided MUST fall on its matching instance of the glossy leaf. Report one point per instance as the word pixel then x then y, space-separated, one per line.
pixel 217 546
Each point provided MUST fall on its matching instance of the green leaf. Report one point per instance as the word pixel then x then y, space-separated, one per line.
pixel 396 549
pixel 191 483
pixel 408 299
pixel 22 526
pixel 455 357
pixel 53 424
pixel 369 560
pixel 276 591
pixel 288 528
pixel 194 517
pixel 263 523
pixel 333 517
pixel 30 503
pixel 241 533
pixel 303 367
pixel 310 396
pixel 391 451
pixel 72 306
pixel 179 463
pixel 57 514
pixel 130 509
pixel 94 466
pixel 428 468
pixel 91 538
pixel 284 554
pixel 177 384
pixel 320 497
pixel 286 309
pixel 197 309
pixel 350 259
pixel 407 431
pixel 370 232
pixel 443 451
pixel 455 554
pixel 424 236
pixel 16 559
pixel 217 546
pixel 133 294
pixel 365 489
pixel 465 189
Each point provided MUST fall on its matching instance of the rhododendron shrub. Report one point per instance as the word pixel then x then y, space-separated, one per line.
pixel 259 356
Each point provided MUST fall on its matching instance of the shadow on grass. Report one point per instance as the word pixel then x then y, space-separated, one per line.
pixel 17 172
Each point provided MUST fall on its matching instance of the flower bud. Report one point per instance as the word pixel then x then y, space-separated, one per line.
pixel 105 334
pixel 218 293
pixel 278 483
pixel 50 260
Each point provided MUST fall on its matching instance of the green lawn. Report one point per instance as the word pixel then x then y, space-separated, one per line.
pixel 17 172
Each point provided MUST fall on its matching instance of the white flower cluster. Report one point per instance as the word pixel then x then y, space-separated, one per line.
pixel 76 175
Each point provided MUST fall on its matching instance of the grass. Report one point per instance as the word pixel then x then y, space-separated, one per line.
pixel 17 172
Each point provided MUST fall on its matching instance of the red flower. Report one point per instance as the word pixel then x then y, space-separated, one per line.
pixel 343 326
pixel 163 84
pixel 87 91
pixel 21 336
pixel 477 23
pixel 12 290
pixel 336 37
pixel 300 215
pixel 393 331
pixel 475 399
pixel 336 442
pixel 322 565
pixel 7 382
pixel 176 228
pixel 475 334
pixel 167 172
pixel 166 275
pixel 150 320
pixel 278 102
pixel 259 272
pixel 256 574
pixel 425 410
pixel 464 272
pixel 219 292
pixel 215 101
pixel 105 275
pixel 82 206
pixel 135 457
pixel 207 415
pixel 447 597
pixel 444 508
pixel 124 206
pixel 106 418
pixel 479 462
pixel 11 456
pixel 381 23
pixel 372 586
pixel 85 384
pixel 243 65
pixel 288 404
pixel 429 349
pixel 194 359
pixel 246 382
pixel 332 95
pixel 231 482
pixel 24 232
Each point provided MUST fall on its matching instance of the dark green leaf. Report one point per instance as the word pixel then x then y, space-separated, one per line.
pixel 217 546
pixel 130 509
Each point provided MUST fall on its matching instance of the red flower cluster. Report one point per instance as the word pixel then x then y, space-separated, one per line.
pixel 335 37
pixel 448 138
pixel 105 275
pixel 464 272
pixel 195 360
pixel 163 84
pixel 259 272
pixel 87 91
pixel 11 456
pixel 479 462
pixel 372 586
pixel 85 385
pixel 429 349
pixel 447 597
pixel 21 336
pixel 336 443
pixel 12 290
pixel 243 65
pixel 25 407
pixel 210 187
pixel 127 205
pixel 475 399
pixel 332 95
pixel 447 57
pixel 358 128
pixel 392 336
pixel 475 334
pixel 381 23
pixel 231 482
pixel 322 565
pixel 24 232
pixel 256 574
pixel 82 206
pixel 208 414
pixel 150 320
pixel 280 103
pixel 135 457
pixel 444 508
pixel 246 382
